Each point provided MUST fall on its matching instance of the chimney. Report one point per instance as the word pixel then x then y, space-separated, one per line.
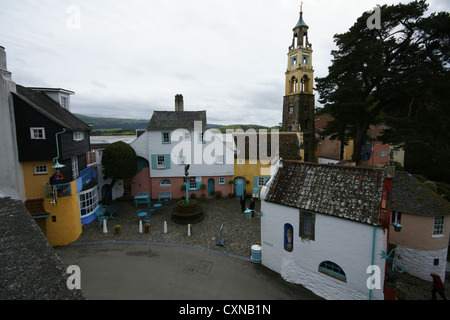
pixel 3 59
pixel 179 104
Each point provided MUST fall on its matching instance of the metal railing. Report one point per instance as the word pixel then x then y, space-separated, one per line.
pixel 58 190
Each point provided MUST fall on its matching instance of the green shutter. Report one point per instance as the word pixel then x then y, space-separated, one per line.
pixel 167 160
pixel 154 161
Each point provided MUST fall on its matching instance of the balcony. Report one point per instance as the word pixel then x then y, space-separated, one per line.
pixel 58 190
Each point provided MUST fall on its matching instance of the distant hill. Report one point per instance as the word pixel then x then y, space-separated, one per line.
pixel 116 126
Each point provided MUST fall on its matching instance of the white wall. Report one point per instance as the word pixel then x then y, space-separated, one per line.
pixel 11 174
pixel 420 263
pixel 201 157
pixel 344 242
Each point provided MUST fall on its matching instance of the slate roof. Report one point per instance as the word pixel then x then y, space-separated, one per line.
pixel 411 196
pixel 289 146
pixel 30 268
pixel 51 109
pixel 172 120
pixel 348 192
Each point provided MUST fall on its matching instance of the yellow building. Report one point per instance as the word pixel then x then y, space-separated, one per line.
pixel 255 155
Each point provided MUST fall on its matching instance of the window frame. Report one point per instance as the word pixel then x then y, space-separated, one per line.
pixel 160 164
pixel 161 184
pixel 163 137
pixel 307 220
pixel 438 227
pixel 40 133
pixel 333 270
pixel 39 172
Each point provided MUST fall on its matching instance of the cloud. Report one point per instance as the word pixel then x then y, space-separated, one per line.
pixel 132 57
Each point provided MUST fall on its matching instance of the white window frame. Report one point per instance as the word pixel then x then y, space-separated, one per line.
pixel 220 159
pixel 64 102
pixel 201 137
pixel 37 133
pixel 181 160
pixel 78 136
pixel 75 171
pixel 40 169
pixel 187 136
pixel 165 137
pixel 261 179
pixel 438 226
pixel 88 200
pixel 221 180
pixel 161 162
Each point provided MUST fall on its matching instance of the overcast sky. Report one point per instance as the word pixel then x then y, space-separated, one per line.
pixel 127 58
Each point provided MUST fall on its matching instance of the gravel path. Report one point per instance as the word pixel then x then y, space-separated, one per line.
pixel 239 233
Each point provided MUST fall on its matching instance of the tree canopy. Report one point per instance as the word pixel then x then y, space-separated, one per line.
pixel 119 162
pixel 397 75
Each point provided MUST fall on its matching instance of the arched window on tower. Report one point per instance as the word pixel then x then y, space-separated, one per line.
pixel 304 86
pixel 294 84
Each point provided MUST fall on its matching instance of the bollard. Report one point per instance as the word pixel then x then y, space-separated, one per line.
pixel 165 226
pixel 105 229
pixel 140 226
pixel 189 230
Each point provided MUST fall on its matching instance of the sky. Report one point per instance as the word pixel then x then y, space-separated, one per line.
pixel 127 58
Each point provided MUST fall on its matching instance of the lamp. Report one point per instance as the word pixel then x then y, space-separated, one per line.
pixel 58 165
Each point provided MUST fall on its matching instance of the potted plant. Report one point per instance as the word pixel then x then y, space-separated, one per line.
pixel 117 228
pixel 147 227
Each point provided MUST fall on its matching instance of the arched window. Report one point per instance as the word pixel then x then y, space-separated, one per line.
pixel 333 270
pixel 294 84
pixel 288 237
pixel 165 183
pixel 304 87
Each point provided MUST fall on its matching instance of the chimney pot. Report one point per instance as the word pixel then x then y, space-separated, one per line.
pixel 179 104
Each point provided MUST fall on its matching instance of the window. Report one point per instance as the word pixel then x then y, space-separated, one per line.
pixel 187 136
pixel 305 59
pixel 75 172
pixel 165 137
pixel 261 181
pixel 294 62
pixel 438 226
pixel 161 162
pixel 192 183
pixel 40 169
pixel 181 159
pixel 307 225
pixel 288 237
pixel 64 102
pixel 37 133
pixel 240 161
pixel 201 137
pixel 291 110
pixel 396 217
pixel 88 200
pixel 333 270
pixel 294 84
pixel 219 159
pixel 78 136
pixel 221 180
pixel 165 183
pixel 92 157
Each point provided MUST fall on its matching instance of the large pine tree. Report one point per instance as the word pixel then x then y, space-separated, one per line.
pixel 398 75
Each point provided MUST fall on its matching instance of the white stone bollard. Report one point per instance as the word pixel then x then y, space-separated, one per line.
pixel 140 226
pixel 189 230
pixel 105 229
pixel 165 226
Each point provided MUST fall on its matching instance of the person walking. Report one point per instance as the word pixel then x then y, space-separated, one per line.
pixel 438 286
pixel 242 200
pixel 252 206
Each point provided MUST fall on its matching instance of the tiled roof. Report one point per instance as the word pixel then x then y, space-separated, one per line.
pixel 36 207
pixel 172 120
pixel 348 192
pixel 289 145
pixel 30 268
pixel 51 109
pixel 411 196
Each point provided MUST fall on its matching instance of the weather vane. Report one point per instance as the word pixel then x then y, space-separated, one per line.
pixel 301 6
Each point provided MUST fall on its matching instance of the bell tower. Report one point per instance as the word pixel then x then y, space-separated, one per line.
pixel 298 102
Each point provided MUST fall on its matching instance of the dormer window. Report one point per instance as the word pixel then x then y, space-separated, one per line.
pixel 37 133
pixel 78 135
pixel 65 102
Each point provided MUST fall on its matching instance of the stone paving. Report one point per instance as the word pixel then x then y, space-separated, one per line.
pixel 238 232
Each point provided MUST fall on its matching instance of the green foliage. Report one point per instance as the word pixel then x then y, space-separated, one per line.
pixel 119 161
pixel 396 75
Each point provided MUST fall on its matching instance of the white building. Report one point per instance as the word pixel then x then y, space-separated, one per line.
pixel 173 140
pixel 321 229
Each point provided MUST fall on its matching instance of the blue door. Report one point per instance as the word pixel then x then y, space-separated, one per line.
pixel 211 186
pixel 240 186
